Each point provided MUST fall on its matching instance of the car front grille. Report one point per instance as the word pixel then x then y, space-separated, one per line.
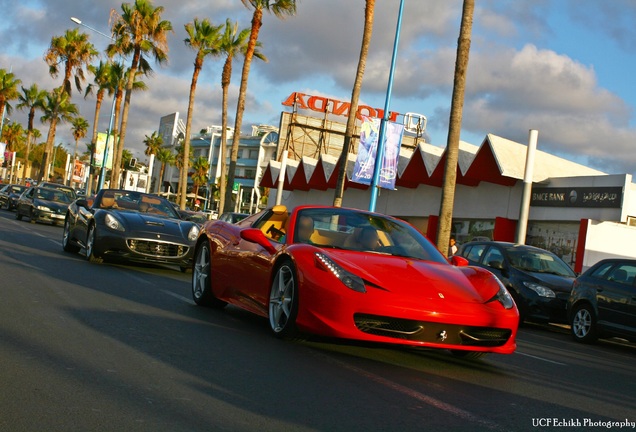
pixel 432 332
pixel 157 249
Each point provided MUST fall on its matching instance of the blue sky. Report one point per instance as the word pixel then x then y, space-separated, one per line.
pixel 563 67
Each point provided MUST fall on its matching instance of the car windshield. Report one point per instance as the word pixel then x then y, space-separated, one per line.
pixel 539 262
pixel 17 189
pixel 360 231
pixel 52 195
pixel 136 202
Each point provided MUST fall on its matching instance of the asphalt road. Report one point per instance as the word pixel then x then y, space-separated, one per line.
pixel 105 347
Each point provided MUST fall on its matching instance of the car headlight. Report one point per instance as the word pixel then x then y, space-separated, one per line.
pixel 44 208
pixel 112 223
pixel 503 297
pixel 193 233
pixel 346 277
pixel 540 289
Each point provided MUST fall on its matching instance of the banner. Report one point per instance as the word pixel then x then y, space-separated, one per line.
pixel 79 171
pixel 100 145
pixel 3 147
pixel 365 162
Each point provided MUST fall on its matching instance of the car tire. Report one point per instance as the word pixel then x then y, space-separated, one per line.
pixel 521 306
pixel 67 245
pixel 583 324
pixel 283 302
pixel 468 355
pixel 202 279
pixel 32 219
pixel 90 246
pixel 18 215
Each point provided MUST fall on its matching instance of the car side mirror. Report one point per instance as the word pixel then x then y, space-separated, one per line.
pixel 82 203
pixel 254 235
pixel 458 261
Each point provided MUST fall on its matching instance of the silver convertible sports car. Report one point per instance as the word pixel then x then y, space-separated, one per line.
pixel 129 226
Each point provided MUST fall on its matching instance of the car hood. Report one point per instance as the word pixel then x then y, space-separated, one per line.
pixel 416 278
pixel 148 223
pixel 552 281
pixel 53 205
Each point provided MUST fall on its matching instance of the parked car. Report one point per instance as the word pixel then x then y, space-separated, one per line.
pixel 355 275
pixel 538 280
pixel 233 217
pixel 43 204
pixel 129 226
pixel 9 195
pixel 603 301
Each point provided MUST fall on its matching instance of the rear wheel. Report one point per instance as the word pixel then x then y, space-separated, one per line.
pixel 90 246
pixel 283 302
pixel 66 239
pixel 202 279
pixel 583 324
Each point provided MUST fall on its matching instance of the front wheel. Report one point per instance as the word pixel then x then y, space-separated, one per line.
pixel 202 279
pixel 583 324
pixel 90 246
pixel 18 215
pixel 66 239
pixel 283 302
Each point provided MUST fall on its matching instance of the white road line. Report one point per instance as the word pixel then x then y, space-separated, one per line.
pixel 178 296
pixel 541 358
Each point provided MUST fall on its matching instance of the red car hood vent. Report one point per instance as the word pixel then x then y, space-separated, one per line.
pixel 412 277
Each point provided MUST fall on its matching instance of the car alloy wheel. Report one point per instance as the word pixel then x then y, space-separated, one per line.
pixel 283 302
pixel 90 245
pixel 583 324
pixel 201 279
pixel 66 238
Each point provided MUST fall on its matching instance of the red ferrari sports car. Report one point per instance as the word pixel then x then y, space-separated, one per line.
pixel 352 274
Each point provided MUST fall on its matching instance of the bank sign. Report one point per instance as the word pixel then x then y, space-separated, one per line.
pixel 596 197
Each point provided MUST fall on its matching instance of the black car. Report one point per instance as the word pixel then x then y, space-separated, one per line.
pixel 9 195
pixel 129 226
pixel 66 189
pixel 603 301
pixel 538 280
pixel 42 204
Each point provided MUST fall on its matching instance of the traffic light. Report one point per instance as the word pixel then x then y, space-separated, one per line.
pixel 132 163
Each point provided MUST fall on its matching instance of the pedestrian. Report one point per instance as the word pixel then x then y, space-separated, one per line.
pixel 452 247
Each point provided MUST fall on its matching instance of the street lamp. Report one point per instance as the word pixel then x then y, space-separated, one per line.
pixel 379 154
pixel 102 173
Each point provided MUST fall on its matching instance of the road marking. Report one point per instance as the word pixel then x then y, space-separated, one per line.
pixel 436 403
pixel 542 359
pixel 178 296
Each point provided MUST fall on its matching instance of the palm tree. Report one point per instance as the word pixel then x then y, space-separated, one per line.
pixel 280 8
pixel 57 107
pixel 233 42
pixel 101 83
pixel 454 128
pixel 200 170
pixel 165 157
pixel 13 136
pixel 119 78
pixel 204 38
pixel 139 32
pixel 79 127
pixel 180 160
pixel 355 96
pixel 153 143
pixel 74 50
pixel 30 99
pixel 8 91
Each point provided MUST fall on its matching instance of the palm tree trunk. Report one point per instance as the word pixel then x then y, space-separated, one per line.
pixel 257 22
pixel 29 139
pixel 118 148
pixel 455 124
pixel 98 105
pixel 183 179
pixel 132 72
pixel 355 96
pixel 48 149
pixel 225 84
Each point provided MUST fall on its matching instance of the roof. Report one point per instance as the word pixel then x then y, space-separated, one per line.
pixel 497 160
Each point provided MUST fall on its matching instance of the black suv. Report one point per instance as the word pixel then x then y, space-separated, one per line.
pixel 603 301
pixel 538 280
